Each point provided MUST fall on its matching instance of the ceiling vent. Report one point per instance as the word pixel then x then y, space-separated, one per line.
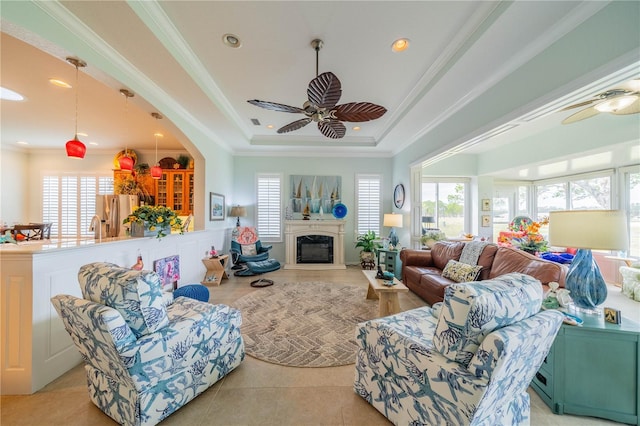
pixel 255 121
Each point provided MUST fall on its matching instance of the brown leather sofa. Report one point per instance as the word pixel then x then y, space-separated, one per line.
pixel 422 269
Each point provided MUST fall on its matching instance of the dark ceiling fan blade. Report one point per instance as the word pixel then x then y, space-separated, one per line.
pixel 581 115
pixel 634 108
pixel 332 129
pixel 275 107
pixel 325 90
pixel 359 111
pixel 298 124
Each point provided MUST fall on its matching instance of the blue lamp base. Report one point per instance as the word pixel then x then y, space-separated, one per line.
pixel 585 283
pixel 393 238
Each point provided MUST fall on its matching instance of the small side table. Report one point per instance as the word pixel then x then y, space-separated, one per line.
pixel 391 261
pixel 216 269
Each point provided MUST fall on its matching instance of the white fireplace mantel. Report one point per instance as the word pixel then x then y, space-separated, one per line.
pixel 300 228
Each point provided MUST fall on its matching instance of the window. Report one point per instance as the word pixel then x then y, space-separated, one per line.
pixel 69 202
pixel 269 211
pixel 584 192
pixel 368 203
pixel 631 203
pixel 446 201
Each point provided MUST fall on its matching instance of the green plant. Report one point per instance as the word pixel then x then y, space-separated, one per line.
pixel 183 160
pixel 431 236
pixel 367 242
pixel 156 217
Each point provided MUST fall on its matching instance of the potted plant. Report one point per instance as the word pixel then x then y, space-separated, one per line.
pixel 368 243
pixel 158 220
pixel 432 236
pixel 183 160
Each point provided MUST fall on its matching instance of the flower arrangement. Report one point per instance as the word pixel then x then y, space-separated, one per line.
pixel 158 218
pixel 526 235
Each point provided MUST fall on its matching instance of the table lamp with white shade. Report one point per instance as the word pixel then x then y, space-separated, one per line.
pixel 587 230
pixel 394 221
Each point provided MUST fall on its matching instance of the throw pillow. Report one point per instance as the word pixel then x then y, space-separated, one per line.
pixel 249 250
pixel 461 272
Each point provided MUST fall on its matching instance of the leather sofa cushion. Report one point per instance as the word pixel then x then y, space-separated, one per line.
pixel 509 259
pixel 444 251
pixel 486 260
pixel 431 288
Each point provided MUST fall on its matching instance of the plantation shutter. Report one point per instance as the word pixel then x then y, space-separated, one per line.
pixel 69 202
pixel 368 207
pixel 269 214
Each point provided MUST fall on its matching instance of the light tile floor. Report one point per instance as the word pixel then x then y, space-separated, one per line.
pixel 256 393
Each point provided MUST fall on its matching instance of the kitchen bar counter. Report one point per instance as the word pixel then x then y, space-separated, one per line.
pixel 35 347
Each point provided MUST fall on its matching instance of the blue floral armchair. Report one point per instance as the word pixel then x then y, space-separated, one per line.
pixel 146 355
pixel 470 363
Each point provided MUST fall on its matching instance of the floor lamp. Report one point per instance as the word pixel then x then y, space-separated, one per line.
pixel 587 230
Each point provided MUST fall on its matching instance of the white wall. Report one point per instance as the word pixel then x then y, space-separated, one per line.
pixel 14 185
pixel 246 169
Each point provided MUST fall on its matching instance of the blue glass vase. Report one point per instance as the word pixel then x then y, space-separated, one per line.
pixel 585 283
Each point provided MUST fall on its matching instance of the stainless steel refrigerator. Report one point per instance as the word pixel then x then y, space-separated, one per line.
pixel 112 210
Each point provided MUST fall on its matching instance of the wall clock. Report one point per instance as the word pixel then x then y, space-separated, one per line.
pixel 398 196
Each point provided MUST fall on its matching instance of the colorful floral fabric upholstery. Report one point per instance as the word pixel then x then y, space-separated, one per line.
pixel 401 372
pixel 137 295
pixel 473 310
pixel 142 380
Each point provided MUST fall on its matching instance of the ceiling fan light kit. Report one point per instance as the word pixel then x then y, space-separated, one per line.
pixel 323 94
pixel 614 101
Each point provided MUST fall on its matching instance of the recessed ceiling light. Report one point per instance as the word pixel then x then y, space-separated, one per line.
pixel 22 143
pixel 82 134
pixel 59 83
pixel 93 143
pixel 400 45
pixel 356 128
pixel 10 95
pixel 270 126
pixel 231 40
pixel 160 135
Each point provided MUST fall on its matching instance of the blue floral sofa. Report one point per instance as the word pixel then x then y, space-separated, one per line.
pixel 146 355
pixel 468 363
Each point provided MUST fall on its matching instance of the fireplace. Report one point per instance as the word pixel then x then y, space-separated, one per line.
pixel 314 249
pixel 314 244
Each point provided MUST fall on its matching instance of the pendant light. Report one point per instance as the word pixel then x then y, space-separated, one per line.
pixel 156 170
pixel 75 148
pixel 125 161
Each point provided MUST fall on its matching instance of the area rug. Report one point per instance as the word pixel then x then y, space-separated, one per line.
pixel 306 324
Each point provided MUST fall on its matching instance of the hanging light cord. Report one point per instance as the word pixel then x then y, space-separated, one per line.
pixel 76 134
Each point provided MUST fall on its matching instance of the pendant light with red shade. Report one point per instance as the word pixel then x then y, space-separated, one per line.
pixel 75 148
pixel 156 170
pixel 125 161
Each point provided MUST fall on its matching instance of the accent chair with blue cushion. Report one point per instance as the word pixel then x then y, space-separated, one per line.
pixel 146 354
pixel 246 246
pixel 470 362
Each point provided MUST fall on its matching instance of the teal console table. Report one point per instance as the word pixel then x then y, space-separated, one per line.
pixel 390 259
pixel 593 370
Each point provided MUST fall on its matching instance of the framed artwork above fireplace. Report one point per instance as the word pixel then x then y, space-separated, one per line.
pixel 314 194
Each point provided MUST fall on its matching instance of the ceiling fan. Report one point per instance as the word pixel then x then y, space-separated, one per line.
pixel 620 101
pixel 324 92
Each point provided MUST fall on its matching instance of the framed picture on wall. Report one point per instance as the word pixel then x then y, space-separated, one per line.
pixel 486 220
pixel 486 205
pixel 216 206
